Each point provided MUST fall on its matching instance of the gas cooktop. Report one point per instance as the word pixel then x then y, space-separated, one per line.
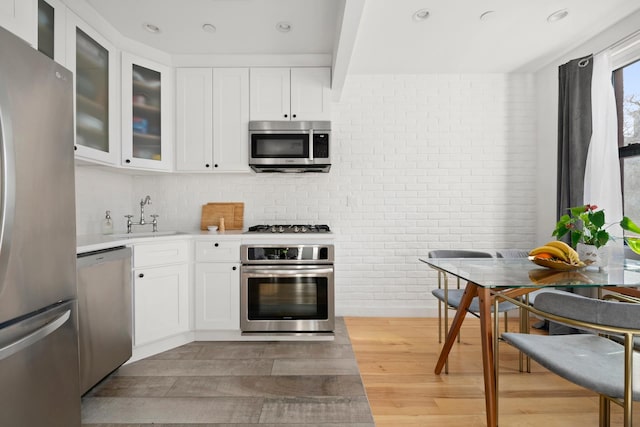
pixel 288 228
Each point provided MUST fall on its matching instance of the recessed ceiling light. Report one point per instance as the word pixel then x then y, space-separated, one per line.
pixel 489 14
pixel 557 15
pixel 283 27
pixel 209 28
pixel 421 15
pixel 154 29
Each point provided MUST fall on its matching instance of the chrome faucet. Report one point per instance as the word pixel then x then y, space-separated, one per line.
pixel 145 201
pixel 154 223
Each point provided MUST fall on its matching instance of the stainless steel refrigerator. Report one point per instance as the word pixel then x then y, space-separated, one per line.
pixel 38 333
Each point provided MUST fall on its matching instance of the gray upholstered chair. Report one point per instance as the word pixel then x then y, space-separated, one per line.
pixel 512 253
pixel 450 298
pixel 589 360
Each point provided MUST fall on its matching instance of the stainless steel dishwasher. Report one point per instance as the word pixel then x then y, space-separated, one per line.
pixel 104 313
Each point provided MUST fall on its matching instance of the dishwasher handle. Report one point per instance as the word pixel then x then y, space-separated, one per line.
pixel 87 259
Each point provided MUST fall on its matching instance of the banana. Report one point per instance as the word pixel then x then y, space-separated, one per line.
pixel 573 256
pixel 551 250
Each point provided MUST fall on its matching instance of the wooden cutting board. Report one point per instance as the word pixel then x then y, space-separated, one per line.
pixel 233 214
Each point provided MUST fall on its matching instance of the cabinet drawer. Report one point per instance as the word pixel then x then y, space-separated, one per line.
pixel 145 255
pixel 217 251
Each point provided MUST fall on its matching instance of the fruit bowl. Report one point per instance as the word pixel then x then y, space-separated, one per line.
pixel 555 264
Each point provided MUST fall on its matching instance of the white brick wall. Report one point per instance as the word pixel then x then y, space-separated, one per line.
pixel 420 162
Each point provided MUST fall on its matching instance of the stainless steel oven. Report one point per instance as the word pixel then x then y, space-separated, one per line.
pixel 287 288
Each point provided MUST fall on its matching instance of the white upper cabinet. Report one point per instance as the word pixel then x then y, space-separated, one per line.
pixel 212 119
pixel 310 94
pixel 231 119
pixel 21 18
pixel 270 94
pixel 147 114
pixel 194 119
pixel 95 65
pixel 290 93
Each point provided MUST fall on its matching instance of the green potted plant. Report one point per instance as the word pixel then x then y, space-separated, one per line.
pixel 586 227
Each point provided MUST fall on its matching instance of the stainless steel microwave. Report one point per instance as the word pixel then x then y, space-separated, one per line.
pixel 290 146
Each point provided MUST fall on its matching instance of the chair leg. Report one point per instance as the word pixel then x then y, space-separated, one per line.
pixel 446 316
pixel 605 412
pixel 457 287
pixel 506 325
pixel 439 310
pixel 439 322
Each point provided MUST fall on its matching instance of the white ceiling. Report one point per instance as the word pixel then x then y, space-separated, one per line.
pixel 242 26
pixel 517 37
pixel 454 39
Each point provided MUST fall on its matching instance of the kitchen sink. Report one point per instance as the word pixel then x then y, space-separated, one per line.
pixel 146 234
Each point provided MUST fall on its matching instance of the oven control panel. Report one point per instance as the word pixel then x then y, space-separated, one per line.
pixel 287 254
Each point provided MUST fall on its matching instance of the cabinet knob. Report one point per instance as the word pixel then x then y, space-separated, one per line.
pixel 215 244
pixel 215 166
pixel 75 148
pixel 286 115
pixel 141 275
pixel 127 161
pixel 234 268
pixel 293 115
pixel 207 165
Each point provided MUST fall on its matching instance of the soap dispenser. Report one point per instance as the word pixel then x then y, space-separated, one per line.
pixel 107 224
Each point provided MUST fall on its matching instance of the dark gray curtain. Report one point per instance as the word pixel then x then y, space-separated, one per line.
pixel 574 131
pixel 574 135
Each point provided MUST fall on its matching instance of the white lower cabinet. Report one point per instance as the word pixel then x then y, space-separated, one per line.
pixel 160 290
pixel 217 285
pixel 161 296
pixel 217 296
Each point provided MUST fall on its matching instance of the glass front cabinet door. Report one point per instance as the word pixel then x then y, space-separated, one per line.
pixel 95 65
pixel 51 29
pixel 146 114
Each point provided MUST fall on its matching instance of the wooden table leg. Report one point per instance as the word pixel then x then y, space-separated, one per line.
pixel 470 291
pixel 486 336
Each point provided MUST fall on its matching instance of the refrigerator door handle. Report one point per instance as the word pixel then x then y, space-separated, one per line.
pixel 35 336
pixel 7 185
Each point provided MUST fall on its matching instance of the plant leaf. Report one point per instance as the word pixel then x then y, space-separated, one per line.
pixel 575 238
pixel 629 225
pixel 601 238
pixel 597 218
pixel 576 211
pixel 561 230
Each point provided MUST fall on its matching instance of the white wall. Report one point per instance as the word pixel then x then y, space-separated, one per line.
pixel 547 110
pixel 420 162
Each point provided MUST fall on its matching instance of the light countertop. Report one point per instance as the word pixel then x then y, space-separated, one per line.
pixel 96 242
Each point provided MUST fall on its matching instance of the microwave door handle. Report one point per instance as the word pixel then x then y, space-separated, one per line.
pixel 310 144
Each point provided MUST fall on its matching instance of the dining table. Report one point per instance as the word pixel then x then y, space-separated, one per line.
pixel 494 279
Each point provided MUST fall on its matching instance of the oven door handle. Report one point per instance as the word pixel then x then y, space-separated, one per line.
pixel 286 271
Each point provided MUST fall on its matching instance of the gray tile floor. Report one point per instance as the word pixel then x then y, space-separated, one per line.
pixel 236 384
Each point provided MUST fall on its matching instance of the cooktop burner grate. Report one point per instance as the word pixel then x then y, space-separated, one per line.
pixel 289 228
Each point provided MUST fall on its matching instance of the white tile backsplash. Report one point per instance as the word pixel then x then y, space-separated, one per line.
pixel 420 162
pixel 99 189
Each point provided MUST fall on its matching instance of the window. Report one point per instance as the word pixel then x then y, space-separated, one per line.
pixel 627 90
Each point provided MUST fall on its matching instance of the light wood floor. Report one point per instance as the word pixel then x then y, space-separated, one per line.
pixel 396 357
